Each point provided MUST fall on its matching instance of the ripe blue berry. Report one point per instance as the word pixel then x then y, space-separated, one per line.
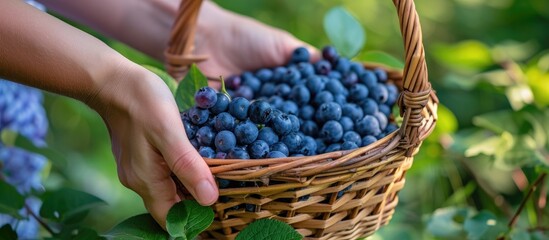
pixel 333 147
pixel 205 136
pixel 278 74
pixel 382 119
pixel 343 65
pixel 289 107
pixel 295 123
pixel 267 90
pixel 369 106
pixel 391 127
pixel 335 87
pixel 221 104
pixel 280 147
pixel 358 92
pixel 282 124
pixel 300 54
pixel 245 92
pixel 300 94
pixel 381 75
pixel 258 149
pixel 328 111
pixel 198 116
pixel 233 82
pixel 329 53
pixel 239 108
pixel 293 141
pixel 190 129
pixel 367 140
pixel 385 109
pixel 314 84
pixel 309 128
pixel 323 97
pixel 268 135
pixel 347 145
pixel 393 94
pixel 260 112
pixel 369 125
pixel 246 132
pixel 331 131
pixel 292 76
pixel 368 78
pixel 224 121
pixel 264 74
pixel 379 93
pixel 205 97
pixel 306 112
pixel 220 155
pixel 350 79
pixel 225 141
pixel 283 90
pixel 352 136
pixel 252 82
pixel 206 152
pixel 323 67
pixel 305 69
pixel 276 154
pixel 308 147
pixel 347 124
pixel 238 153
pixel 352 111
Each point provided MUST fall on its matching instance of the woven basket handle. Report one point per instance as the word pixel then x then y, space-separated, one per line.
pixel 416 87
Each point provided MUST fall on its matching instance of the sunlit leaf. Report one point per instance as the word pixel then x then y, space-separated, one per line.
pixel 268 229
pixel 194 80
pixel 381 57
pixel 498 122
pixel 344 31
pixel 448 222
pixel 65 203
pixel 491 146
pixel 519 95
pixel 468 56
pixel 484 225
pixel 187 219
pixel 537 80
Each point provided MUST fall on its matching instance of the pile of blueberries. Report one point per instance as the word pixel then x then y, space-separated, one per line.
pixel 300 109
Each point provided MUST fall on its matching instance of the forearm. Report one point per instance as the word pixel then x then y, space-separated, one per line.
pixel 39 50
pixel 144 25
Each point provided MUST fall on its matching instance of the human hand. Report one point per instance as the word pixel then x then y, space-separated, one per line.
pixel 235 43
pixel 149 141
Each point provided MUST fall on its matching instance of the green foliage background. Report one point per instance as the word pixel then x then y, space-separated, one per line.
pixel 483 56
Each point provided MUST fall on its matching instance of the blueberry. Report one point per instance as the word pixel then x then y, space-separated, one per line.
pixel 367 140
pixel 205 136
pixel 379 93
pixel 368 78
pixel 306 112
pixel 382 119
pixel 292 76
pixel 198 116
pixel 245 92
pixel 335 74
pixel 369 125
pixel 276 101
pixel 308 147
pixel 352 136
pixel 381 75
pixel 264 74
pixel 205 97
pixel 293 141
pixel 223 183
pixel 195 143
pixel 278 73
pixel 282 124
pixel 295 122
pixel 331 131
pixel 347 124
pixel 297 155
pixel 258 149
pixel 250 207
pixel 260 112
pixel 233 82
pixel 314 84
pixel 267 90
pixel 385 109
pixel 323 97
pixel 328 111
pixel 190 129
pixel 320 145
pixel 221 105
pixel 276 154
pixel 225 141
pixel 283 90
pixel 334 86
pixel 280 147
pixel 289 107
pixel 309 128
pixel 239 108
pixel 356 68
pixel 224 121
pixel 390 128
pixel 268 135
pixel 329 53
pixel 333 147
pixel 323 67
pixel 305 69
pixel 340 99
pixel 392 91
pixel 350 79
pixel 238 153
pixel 300 54
pixel 369 106
pixel 246 132
pixel 353 111
pixel 343 65
pixel 358 92
pixel 220 155
pixel 348 145
pixel 304 198
pixel 253 82
pixel 206 152
pixel 300 94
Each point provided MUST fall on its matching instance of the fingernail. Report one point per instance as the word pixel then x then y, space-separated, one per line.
pixel 205 192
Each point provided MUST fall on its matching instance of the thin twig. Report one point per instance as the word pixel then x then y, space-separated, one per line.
pixel 533 188
pixel 540 203
pixel 29 210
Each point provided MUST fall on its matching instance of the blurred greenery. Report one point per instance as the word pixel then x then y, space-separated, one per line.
pixel 489 63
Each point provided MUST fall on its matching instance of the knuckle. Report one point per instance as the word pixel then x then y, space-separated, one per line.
pixel 184 161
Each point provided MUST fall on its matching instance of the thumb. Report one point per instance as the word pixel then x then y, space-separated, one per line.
pixel 190 168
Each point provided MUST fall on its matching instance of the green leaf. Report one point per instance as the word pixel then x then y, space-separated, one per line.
pixel 381 57
pixel 519 95
pixel 519 234
pixel 184 95
pixel 7 233
pixel 64 204
pixel 10 200
pixel 268 229
pixel 484 225
pixel 168 80
pixel 498 122
pixel 492 145
pixel 344 31
pixel 187 219
pixel 465 57
pixel 448 222
pixel 140 227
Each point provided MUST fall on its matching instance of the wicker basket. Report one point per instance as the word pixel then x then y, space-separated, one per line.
pixel 375 173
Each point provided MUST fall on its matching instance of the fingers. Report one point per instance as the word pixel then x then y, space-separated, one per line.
pixel 159 199
pixel 189 167
pixel 290 43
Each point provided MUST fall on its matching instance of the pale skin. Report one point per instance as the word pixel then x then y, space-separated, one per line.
pixel 147 135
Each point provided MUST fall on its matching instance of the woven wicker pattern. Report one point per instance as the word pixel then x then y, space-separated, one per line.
pixel 303 192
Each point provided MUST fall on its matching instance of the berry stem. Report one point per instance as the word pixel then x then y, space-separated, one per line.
pixel 533 188
pixel 223 89
pixel 40 220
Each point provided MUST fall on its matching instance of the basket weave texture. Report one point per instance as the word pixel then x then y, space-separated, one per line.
pixel 372 175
